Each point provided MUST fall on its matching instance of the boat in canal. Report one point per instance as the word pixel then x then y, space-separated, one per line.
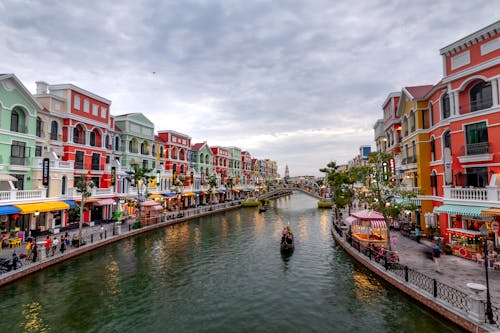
pixel 287 242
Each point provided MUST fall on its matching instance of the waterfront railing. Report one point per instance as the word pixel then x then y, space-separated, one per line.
pixel 457 299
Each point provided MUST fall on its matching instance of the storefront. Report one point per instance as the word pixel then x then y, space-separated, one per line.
pixel 368 227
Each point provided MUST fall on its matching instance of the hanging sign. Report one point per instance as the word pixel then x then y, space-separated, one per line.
pixel 45 172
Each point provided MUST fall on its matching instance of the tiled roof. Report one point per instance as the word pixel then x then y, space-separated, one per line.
pixel 419 92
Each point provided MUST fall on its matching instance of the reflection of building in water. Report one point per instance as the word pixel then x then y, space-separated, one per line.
pixel 367 290
pixel 112 280
pixel 33 320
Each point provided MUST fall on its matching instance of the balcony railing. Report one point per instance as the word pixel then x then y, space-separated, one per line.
pixel 16 160
pixel 22 195
pixel 472 194
pixel 57 164
pixel 409 160
pixel 478 148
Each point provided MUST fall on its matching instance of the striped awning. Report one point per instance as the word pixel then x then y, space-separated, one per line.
pixel 373 223
pixel 8 209
pixel 349 220
pixel 149 203
pixel 104 202
pixel 475 211
pixel 169 195
pixel 157 207
pixel 408 201
pixel 42 207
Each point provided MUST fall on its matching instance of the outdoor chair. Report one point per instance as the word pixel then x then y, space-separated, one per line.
pixel 479 259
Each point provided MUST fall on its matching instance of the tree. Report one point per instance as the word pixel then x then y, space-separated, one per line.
pixel 84 187
pixel 212 181
pixel 139 177
pixel 337 181
pixel 382 189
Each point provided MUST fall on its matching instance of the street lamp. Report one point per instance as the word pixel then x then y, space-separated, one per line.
pixel 489 311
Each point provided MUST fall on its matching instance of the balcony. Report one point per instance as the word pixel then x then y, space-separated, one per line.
pixel 409 160
pixel 475 152
pixel 19 196
pixel 96 193
pixel 54 164
pixel 485 196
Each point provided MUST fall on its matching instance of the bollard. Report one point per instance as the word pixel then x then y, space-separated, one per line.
pixel 91 238
pixel 435 289
pixel 129 226
pixel 105 234
pixel 406 273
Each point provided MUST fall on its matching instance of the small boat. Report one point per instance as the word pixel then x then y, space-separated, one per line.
pixel 287 240
pixel 286 247
pixel 262 209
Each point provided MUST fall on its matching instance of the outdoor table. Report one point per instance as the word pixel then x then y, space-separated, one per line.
pixel 14 242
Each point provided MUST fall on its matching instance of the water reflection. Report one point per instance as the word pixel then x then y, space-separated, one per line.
pixel 367 290
pixel 33 321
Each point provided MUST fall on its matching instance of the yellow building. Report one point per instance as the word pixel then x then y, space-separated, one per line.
pixel 414 157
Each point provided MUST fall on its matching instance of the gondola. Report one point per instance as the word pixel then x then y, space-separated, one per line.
pixel 287 247
pixel 262 209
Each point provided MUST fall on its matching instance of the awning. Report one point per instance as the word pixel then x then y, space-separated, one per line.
pixel 349 220
pixel 6 210
pixel 42 207
pixel 7 178
pixel 105 202
pixel 149 203
pixel 188 194
pixel 155 196
pixel 458 231
pixel 368 215
pixel 71 203
pixel 234 190
pixel 491 212
pixel 157 207
pixel 198 192
pixel 474 211
pixel 221 191
pixel 373 223
pixel 88 200
pixel 169 195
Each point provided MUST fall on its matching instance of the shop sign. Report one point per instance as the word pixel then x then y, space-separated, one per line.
pixel 45 172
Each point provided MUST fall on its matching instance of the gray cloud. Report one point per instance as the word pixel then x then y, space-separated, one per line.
pixel 301 82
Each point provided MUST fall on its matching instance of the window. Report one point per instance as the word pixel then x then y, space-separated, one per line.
pixel 96 161
pixel 414 152
pixel 79 135
pixel 447 140
pixel 153 150
pixel 431 114
pixel 17 153
pixel 412 121
pixel 95 109
pixel 38 151
pixel 77 102
pixel 153 164
pixel 64 183
pixel 145 164
pixel 107 142
pixel 92 139
pixel 433 149
pixel 434 183
pixel 96 181
pixel 117 143
pixel 477 138
pixel 445 106
pixel 39 127
pixel 405 126
pixel 14 121
pixel 477 177
pixel 53 130
pixel 108 159
pixel 86 106
pixel 481 97
pixel 161 151
pixel 79 160
pixel 104 112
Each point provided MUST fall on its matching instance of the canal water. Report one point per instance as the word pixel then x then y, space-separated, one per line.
pixel 221 273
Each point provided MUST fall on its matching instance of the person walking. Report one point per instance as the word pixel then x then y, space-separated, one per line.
pixel 417 234
pixel 47 245
pixel 436 255
pixel 34 250
pixel 55 245
pixel 63 244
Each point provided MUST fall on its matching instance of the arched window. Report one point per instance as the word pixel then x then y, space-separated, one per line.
pixel 53 130
pixel 153 150
pixel 431 114
pixel 92 139
pixel 79 135
pixel 182 169
pixel 182 155
pixel 412 121
pixel 161 151
pixel 107 143
pixel 447 140
pixel 14 121
pixel 480 96
pixel 434 183
pixel 445 106
pixel 433 149
pixel 117 143
pixel 39 125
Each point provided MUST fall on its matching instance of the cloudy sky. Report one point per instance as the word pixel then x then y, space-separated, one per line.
pixel 299 82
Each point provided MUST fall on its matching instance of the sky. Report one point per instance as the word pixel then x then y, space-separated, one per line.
pixel 298 82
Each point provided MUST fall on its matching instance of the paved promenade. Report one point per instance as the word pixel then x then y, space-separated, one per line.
pixel 455 271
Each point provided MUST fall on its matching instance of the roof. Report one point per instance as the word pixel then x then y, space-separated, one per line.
pixel 197 146
pixel 418 92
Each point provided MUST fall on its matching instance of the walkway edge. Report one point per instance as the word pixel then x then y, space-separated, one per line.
pixel 454 316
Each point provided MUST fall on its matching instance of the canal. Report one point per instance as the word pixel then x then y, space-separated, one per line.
pixel 222 273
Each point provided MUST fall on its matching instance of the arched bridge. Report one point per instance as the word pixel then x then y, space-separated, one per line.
pixel 285 191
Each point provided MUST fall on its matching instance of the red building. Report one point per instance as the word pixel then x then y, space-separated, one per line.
pixel 177 154
pixel 221 157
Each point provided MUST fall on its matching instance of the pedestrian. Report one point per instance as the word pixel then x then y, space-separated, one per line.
pixel 101 233
pixel 47 245
pixel 55 245
pixel 417 234
pixel 63 244
pixel 34 250
pixel 436 255
pixel 66 240
pixel 29 248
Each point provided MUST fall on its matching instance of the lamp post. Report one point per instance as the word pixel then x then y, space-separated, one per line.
pixel 489 311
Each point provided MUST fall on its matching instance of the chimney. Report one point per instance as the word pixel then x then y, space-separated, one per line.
pixel 41 87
